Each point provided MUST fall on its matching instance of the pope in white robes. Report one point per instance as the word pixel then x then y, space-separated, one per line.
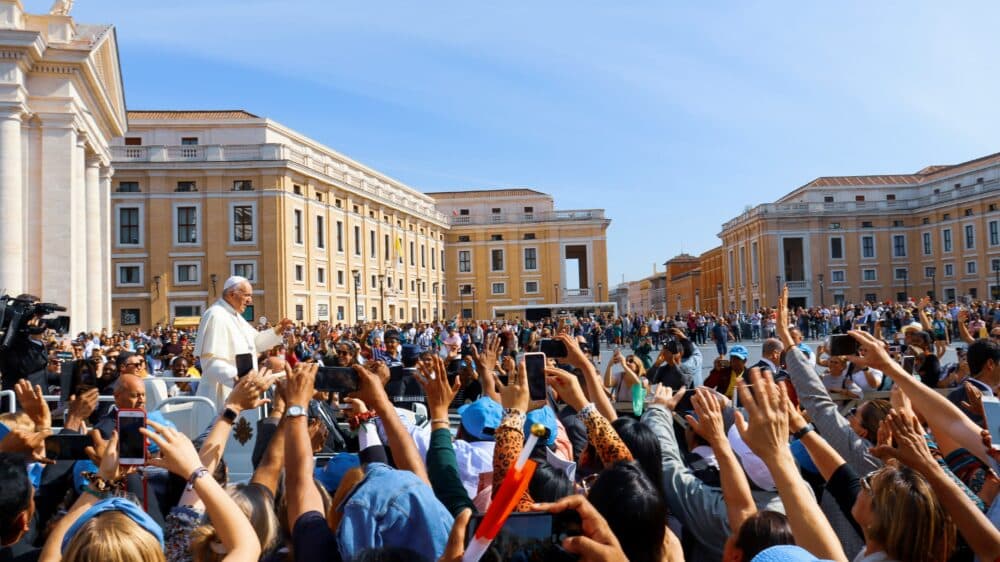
pixel 223 334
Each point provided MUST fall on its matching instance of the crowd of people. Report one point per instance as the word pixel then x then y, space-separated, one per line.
pixel 784 456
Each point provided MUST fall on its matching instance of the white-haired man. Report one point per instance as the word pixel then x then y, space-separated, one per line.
pixel 224 333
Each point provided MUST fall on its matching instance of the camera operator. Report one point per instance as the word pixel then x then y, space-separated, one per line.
pixel 26 357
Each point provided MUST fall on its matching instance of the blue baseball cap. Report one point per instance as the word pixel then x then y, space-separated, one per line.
pixel 331 474
pixel 786 553
pixel 132 511
pixel 545 416
pixel 739 351
pixel 481 417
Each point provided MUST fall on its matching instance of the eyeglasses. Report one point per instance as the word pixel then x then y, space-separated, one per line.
pixel 135 363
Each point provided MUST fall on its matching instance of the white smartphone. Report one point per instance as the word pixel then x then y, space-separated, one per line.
pixel 991 405
pixel 131 443
pixel 534 366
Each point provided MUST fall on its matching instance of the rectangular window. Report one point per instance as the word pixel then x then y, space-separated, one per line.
pixel 754 265
pixel 949 270
pixel 242 185
pixel 531 287
pixel 949 295
pixel 743 266
pixel 837 276
pixel 128 187
pixel 340 277
pixel 529 235
pixel 868 275
pixel 186 187
pixel 732 266
pixel 320 233
pixel 499 288
pixel 970 237
pixel 970 268
pixel 357 240
pixel 321 275
pixel 374 281
pixel 433 260
pixel 187 273
pixel 946 240
pixel 463 238
pixel 423 256
pixel 496 237
pixel 246 269
pixel 340 313
pixel 297 225
pixel 496 260
pixel 129 275
pixel 129 317
pixel 928 247
pixel 442 259
pixel 413 255
pixel 299 312
pixel 867 246
pixel 186 310
pixel 994 233
pixel 866 224
pixel 899 246
pixel 243 223
pixel 128 225
pixel 897 224
pixel 300 273
pixel 189 141
pixel 464 261
pixel 901 273
pixel 372 247
pixel 837 248
pixel 929 272
pixel 187 225
pixel 340 236
pixel 530 259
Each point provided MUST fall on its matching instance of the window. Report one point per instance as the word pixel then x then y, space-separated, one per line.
pixel 529 235
pixel 186 187
pixel 929 272
pixel 186 309
pixel 866 224
pixel 297 189
pixel 968 212
pixel 899 246
pixel 321 275
pixel 836 248
pixel 897 224
pixel 320 232
pixel 129 317
pixel 732 266
pixel 340 277
pixel 340 236
pixel 970 268
pixel 423 256
pixel 834 226
pixel 859 198
pixel 754 268
pixel 129 275
pixel 949 270
pixel 970 237
pixel 994 264
pixel 128 226
pixel 372 249
pixel 374 281
pixel 242 223
pixel 465 289
pixel 925 220
pixel 189 141
pixel 357 240
pixel 400 284
pixel 299 273
pixel 994 233
pixel 413 255
pixel 128 187
pixel 531 259
pixel 495 210
pixel 464 261
pixel 867 246
pixel 187 225
pixel 339 203
pixel 186 273
pixel 946 216
pixel 442 259
pixel 433 259
pixel 949 295
pixel 463 212
pixel 463 238
pixel 496 260
pixel 531 287
pixel 319 197
pixel 242 185
pixel 133 141
pixel 828 198
pixel 928 247
pixel 299 312
pixel 901 273
pixel 499 288
pixel 297 225
pixel 496 237
pixel 413 285
pixel 946 240
pixel 837 276
pixel 246 269
pixel 890 197
pixel 871 297
pixel 868 275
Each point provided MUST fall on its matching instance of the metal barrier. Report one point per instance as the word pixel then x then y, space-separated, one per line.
pixel 11 400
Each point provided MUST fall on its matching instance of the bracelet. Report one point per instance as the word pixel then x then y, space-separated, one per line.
pixel 198 473
pixel 802 432
pixel 355 422
pixel 441 420
pixel 586 410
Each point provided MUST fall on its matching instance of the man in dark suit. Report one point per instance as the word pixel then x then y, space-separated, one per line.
pixel 770 356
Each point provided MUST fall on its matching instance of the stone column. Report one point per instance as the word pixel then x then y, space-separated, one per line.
pixel 95 286
pixel 12 257
pixel 60 276
pixel 107 280
pixel 77 208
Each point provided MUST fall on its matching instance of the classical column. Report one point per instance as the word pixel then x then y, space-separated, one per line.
pixel 12 263
pixel 95 285
pixel 77 209
pixel 107 281
pixel 58 157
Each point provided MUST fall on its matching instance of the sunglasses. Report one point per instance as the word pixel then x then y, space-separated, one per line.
pixel 136 363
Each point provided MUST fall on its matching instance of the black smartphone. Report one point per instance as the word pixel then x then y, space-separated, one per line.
pixel 530 536
pixel 843 344
pixel 131 443
pixel 337 379
pixel 454 366
pixel 534 366
pixel 553 348
pixel 894 349
pixel 244 364
pixel 67 447
pixel 909 362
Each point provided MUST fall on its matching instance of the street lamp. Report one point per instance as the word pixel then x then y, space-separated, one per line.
pixel 932 272
pixel 556 291
pixel 821 301
pixel 600 290
pixel 357 289
pixel 214 278
pixel 381 294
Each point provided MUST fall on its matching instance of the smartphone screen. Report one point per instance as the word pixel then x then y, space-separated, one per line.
pixel 530 536
pixel 131 443
pixel 244 364
pixel 843 344
pixel 534 364
pixel 67 447
pixel 337 379
pixel 553 348
pixel 992 408
pixel 909 362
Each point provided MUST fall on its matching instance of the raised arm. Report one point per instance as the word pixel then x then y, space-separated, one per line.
pixel 300 491
pixel 598 394
pixel 600 432
pixel 963 327
pixel 442 466
pixel 486 364
pixel 372 393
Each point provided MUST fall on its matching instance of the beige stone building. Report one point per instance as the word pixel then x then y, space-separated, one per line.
pixel 881 237
pixel 201 195
pixel 510 253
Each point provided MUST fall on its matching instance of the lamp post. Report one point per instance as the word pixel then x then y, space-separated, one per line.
pixel 214 278
pixel 600 290
pixel 357 289
pixel 932 272
pixel 556 291
pixel 474 303
pixel 821 301
pixel 419 310
pixel 381 295
pixel 461 301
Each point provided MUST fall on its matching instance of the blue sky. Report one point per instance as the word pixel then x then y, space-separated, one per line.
pixel 673 117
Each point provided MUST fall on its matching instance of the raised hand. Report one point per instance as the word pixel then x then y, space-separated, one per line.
pixel 246 394
pixel 434 380
pixel 31 401
pixel 301 385
pixel 874 353
pixel 910 445
pixel 767 432
pixel 597 543
pixel 574 355
pixel 371 389
pixel 666 397
pixel 708 424
pixel 515 393
pixel 27 443
pixel 177 453
pixel 784 334
pixel 568 387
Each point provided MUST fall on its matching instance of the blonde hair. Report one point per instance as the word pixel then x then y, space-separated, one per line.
pixel 908 521
pixel 18 420
pixel 113 537
pixel 257 507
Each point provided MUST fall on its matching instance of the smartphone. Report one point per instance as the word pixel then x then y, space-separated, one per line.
pixel 530 536
pixel 909 362
pixel 534 366
pixel 992 408
pixel 337 379
pixel 131 443
pixel 843 344
pixel 553 348
pixel 244 364
pixel 894 349
pixel 68 447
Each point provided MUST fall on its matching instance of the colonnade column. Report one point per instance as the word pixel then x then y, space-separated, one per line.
pixel 12 263
pixel 95 286
pixel 107 280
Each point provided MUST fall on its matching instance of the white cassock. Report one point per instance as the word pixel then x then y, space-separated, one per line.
pixel 222 335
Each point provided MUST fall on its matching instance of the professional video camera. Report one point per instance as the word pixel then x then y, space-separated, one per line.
pixel 15 313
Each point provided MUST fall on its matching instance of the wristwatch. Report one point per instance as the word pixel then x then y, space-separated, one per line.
pixel 295 412
pixel 229 415
pixel 802 432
